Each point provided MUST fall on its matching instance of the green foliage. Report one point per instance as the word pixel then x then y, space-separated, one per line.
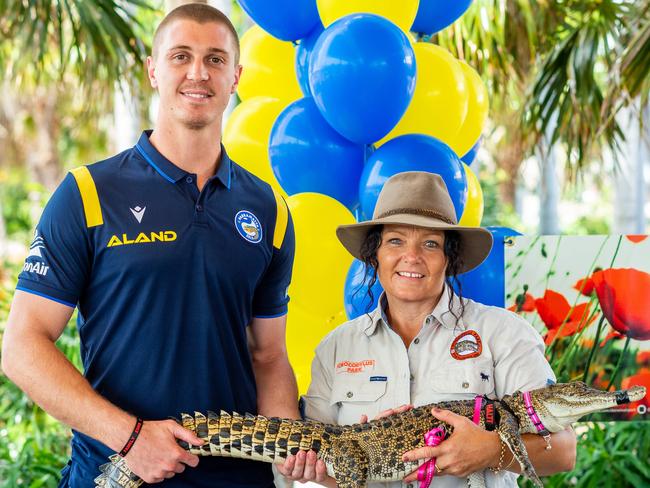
pixel 34 447
pixel 610 455
pixel 496 212
pixel 19 198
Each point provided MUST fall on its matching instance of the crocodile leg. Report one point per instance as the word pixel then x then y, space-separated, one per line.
pixel 509 432
pixel 351 464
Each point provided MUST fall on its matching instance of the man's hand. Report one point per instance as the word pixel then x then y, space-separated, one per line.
pixel 470 448
pixel 156 455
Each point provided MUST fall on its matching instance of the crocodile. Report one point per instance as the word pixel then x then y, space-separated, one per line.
pixel 372 451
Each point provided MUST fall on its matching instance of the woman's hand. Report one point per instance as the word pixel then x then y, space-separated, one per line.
pixel 304 466
pixel 387 413
pixel 470 448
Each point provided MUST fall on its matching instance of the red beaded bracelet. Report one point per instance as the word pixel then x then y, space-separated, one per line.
pixel 134 435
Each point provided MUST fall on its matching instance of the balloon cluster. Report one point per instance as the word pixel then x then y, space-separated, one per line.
pixel 337 97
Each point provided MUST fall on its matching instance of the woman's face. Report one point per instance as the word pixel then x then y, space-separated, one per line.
pixel 412 262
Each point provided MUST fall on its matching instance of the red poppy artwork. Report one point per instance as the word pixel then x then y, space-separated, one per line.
pixel 525 303
pixel 559 317
pixel 623 297
pixel 589 298
pixel 636 238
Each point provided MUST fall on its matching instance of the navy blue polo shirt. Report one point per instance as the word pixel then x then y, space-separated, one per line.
pixel 166 280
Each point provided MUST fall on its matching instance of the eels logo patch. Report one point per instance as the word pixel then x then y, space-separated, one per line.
pixel 248 226
pixel 466 345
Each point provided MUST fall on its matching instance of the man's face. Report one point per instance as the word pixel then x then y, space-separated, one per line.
pixel 194 72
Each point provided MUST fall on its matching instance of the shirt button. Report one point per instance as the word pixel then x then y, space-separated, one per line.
pixel 465 384
pixel 199 208
pixel 350 394
pixel 417 340
pixel 189 179
pixel 412 378
pixel 410 485
pixel 428 320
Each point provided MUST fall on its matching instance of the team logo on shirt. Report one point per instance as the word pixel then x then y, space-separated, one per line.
pixel 35 251
pixel 248 226
pixel 355 366
pixel 466 345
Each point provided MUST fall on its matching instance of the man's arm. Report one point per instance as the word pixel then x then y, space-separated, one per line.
pixel 31 359
pixel 277 392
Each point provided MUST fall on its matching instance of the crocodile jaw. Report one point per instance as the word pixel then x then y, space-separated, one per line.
pixel 558 406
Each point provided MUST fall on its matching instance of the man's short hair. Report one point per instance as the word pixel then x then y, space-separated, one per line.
pixel 196 12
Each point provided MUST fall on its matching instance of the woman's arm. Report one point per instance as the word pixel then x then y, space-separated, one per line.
pixel 470 448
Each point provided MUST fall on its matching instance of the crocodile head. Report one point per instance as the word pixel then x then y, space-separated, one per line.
pixel 559 405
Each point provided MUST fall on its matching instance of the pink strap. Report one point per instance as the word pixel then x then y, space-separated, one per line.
pixel 434 437
pixel 478 403
pixel 428 469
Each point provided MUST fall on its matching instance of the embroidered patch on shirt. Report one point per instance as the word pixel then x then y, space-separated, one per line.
pixel 355 366
pixel 466 345
pixel 379 378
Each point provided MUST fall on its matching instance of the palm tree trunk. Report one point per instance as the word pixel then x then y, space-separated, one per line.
pixel 42 162
pixel 549 189
pixel 629 181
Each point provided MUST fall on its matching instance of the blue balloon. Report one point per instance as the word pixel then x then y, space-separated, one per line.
pixel 435 15
pixel 362 76
pixel 303 53
pixel 308 155
pixel 486 284
pixel 412 152
pixel 288 20
pixel 470 155
pixel 357 300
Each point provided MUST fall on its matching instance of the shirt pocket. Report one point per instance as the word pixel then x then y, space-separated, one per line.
pixel 464 381
pixel 356 397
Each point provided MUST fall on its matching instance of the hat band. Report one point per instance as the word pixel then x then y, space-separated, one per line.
pixel 417 211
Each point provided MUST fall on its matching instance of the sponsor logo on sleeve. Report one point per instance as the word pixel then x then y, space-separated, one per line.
pixel 36 249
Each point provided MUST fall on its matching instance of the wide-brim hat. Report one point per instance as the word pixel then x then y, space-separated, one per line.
pixel 421 199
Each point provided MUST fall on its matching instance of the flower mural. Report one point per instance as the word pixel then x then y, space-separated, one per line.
pixel 523 303
pixel 594 316
pixel 622 294
pixel 636 238
pixel 559 317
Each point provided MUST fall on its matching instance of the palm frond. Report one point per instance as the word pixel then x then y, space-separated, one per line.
pixel 94 39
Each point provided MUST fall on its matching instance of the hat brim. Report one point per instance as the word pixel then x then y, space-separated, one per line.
pixel 476 242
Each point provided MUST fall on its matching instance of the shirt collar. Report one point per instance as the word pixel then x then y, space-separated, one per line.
pixel 441 312
pixel 173 173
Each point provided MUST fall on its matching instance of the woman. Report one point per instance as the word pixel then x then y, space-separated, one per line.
pixel 425 344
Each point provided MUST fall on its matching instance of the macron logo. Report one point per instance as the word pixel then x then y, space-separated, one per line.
pixel 138 212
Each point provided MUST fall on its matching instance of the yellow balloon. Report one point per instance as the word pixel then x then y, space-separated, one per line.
pixel 477 112
pixel 473 213
pixel 305 331
pixel 400 13
pixel 268 67
pixel 321 262
pixel 439 103
pixel 246 136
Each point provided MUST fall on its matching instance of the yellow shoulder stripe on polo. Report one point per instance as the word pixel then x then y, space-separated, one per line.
pixel 89 197
pixel 281 220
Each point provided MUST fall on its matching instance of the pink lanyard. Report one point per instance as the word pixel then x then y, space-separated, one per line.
pixel 537 422
pixel 435 436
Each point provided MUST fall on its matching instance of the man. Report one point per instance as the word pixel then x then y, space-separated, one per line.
pixel 178 261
